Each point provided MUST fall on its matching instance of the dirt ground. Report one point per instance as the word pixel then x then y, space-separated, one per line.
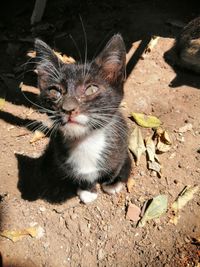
pixel 99 234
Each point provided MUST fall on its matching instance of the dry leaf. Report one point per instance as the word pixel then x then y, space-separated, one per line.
pixel 162 147
pixel 164 136
pixel 154 166
pixel 151 149
pixel 65 59
pixel 184 197
pixel 153 160
pixel 146 121
pixel 136 144
pixel 154 174
pixel 16 235
pixel 156 208
pixel 37 136
pixel 164 142
pixel 31 54
pixel 174 219
pixel 185 128
pixel 152 44
pixel 133 213
pixel 130 184
pixel 2 102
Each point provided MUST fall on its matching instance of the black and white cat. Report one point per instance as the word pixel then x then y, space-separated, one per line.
pixel 89 145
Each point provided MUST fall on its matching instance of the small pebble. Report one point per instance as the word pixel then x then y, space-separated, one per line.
pixel 101 254
pixel 180 166
pixel 42 209
pixel 187 239
pixel 142 173
pixel 73 216
pixel 46 245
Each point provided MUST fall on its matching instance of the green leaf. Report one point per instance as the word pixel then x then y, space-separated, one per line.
pixel 157 207
pixel 146 121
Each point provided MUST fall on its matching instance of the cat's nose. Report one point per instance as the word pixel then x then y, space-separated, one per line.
pixel 70 104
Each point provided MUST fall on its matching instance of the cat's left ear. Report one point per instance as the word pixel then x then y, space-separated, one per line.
pixel 112 60
pixel 47 61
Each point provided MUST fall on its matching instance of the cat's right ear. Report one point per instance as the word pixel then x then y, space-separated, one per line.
pixel 112 60
pixel 48 64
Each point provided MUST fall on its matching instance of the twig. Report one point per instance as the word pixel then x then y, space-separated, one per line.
pixel 132 51
pixel 38 11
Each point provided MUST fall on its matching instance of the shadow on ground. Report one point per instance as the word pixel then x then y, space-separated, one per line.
pixel 35 185
pixel 183 76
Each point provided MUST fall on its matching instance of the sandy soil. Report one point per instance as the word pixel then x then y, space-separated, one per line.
pixel 99 234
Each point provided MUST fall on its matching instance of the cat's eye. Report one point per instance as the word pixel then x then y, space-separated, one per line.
pixel 91 89
pixel 54 92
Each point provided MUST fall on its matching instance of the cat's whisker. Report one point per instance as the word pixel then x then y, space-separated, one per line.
pixel 45 109
pixel 28 125
pixel 116 128
pixel 21 76
pixel 111 108
pixel 108 113
pixel 52 70
pixel 96 52
pixel 48 111
pixel 52 117
pixel 51 128
pixel 24 65
pixel 41 128
pixel 77 48
pixel 85 40
pixel 88 69
pixel 55 129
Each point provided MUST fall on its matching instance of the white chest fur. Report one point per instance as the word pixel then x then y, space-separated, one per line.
pixel 86 156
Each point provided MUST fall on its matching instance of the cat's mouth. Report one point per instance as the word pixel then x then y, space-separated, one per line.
pixel 72 120
pixel 80 119
pixel 75 127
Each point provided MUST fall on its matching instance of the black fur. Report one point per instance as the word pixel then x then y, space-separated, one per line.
pixel 187 46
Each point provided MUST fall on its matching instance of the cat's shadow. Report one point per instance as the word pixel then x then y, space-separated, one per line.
pixel 183 76
pixel 33 185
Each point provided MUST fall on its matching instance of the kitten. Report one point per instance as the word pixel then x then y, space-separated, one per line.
pixel 89 145
pixel 188 46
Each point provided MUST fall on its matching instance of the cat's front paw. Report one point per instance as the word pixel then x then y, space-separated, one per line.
pixel 113 188
pixel 86 196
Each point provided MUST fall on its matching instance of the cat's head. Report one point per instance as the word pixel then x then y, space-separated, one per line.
pixel 81 97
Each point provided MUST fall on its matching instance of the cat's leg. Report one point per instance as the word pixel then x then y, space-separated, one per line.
pixel 116 184
pixel 113 188
pixel 87 193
